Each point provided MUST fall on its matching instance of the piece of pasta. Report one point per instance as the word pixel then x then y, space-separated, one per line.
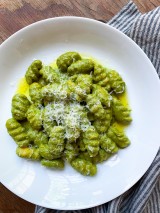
pixel 55 91
pixel 48 118
pixel 49 74
pixel 83 66
pixel 121 112
pixel 32 74
pixel 17 132
pixel 91 141
pixel 56 164
pixel 38 137
pixel 100 76
pixel 79 89
pixel 66 59
pixel 20 105
pixel 107 144
pixel 95 106
pixel 84 121
pixel 84 167
pixel 101 156
pixel 116 82
pixel 103 124
pixel 118 137
pixel 72 121
pixel 71 151
pixel 29 153
pixel 35 93
pixel 102 94
pixel 56 142
pixel 46 153
pixel 34 116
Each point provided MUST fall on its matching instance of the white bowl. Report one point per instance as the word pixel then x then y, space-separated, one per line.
pixel 67 189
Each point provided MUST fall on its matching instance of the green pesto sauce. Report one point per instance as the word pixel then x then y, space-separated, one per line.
pixel 23 88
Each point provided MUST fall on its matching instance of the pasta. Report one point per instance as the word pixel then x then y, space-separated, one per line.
pixel 104 97
pixel 66 59
pixel 95 106
pixel 101 156
pixel 103 124
pixel 91 141
pixel 34 116
pixel 84 167
pixel 56 141
pixel 71 151
pixel 58 163
pixel 121 113
pixel 30 153
pixel 74 112
pixel 17 132
pixel 38 137
pixel 80 88
pixel 46 153
pixel 32 74
pixel 35 93
pixel 49 74
pixel 116 82
pixel 20 105
pixel 83 66
pixel 118 137
pixel 100 76
pixel 107 144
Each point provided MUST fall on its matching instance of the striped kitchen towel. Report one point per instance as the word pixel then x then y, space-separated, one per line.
pixel 144 196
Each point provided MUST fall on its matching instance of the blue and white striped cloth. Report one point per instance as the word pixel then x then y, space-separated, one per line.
pixel 144 196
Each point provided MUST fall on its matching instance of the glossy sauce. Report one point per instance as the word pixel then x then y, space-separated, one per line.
pixel 23 88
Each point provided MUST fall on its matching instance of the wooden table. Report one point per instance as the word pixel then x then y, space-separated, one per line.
pixel 16 14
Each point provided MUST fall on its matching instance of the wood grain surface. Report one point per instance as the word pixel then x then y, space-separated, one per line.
pixel 16 14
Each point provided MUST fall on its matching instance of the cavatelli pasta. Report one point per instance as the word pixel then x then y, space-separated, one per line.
pixel 38 137
pixel 91 141
pixel 55 91
pixel 80 88
pixel 107 144
pixel 95 106
pixel 35 93
pixel 100 76
pixel 71 151
pixel 101 156
pixel 66 59
pixel 102 125
pixel 46 153
pixel 83 66
pixel 32 74
pixel 56 164
pixel 84 167
pixel 17 132
pixel 34 116
pixel 49 74
pixel 102 94
pixel 120 112
pixel 56 141
pixel 28 152
pixel 20 105
pixel 116 82
pixel 72 113
pixel 48 118
pixel 118 137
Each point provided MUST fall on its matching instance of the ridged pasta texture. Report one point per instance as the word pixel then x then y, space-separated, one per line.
pixel 73 111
